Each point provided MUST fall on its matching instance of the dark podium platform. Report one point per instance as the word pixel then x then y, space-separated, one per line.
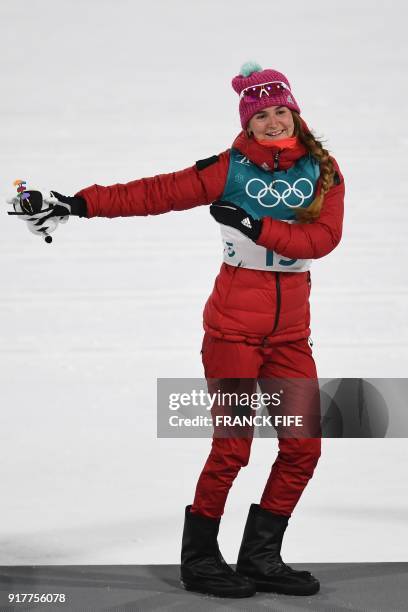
pixel 374 587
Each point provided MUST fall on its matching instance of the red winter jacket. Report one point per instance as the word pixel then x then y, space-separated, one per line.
pixel 255 306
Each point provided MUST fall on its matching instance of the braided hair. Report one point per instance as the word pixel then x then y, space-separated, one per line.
pixel 327 170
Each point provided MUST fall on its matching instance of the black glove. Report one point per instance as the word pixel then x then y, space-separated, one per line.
pixel 75 205
pixel 234 216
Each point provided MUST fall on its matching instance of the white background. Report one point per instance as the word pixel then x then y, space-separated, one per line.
pixel 110 91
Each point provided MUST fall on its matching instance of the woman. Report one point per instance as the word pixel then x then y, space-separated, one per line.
pixel 278 196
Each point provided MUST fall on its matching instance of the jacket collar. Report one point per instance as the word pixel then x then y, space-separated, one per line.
pixel 266 157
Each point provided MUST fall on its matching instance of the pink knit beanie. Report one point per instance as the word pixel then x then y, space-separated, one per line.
pixel 252 74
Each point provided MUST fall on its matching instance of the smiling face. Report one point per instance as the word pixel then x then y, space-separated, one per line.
pixel 272 123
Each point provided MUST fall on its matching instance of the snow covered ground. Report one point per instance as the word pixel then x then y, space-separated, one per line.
pixel 110 91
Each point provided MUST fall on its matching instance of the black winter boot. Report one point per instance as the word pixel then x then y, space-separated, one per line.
pixel 203 568
pixel 259 556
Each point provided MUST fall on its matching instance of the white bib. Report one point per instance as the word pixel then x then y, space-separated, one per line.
pixel 242 252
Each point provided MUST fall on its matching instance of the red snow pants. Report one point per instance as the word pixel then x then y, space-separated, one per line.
pixel 297 457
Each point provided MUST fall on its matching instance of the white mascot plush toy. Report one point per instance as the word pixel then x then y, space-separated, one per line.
pixel 36 211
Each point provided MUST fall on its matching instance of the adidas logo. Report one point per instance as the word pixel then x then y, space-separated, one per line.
pixel 246 222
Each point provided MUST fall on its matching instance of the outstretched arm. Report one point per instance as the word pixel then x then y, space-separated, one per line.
pixel 194 186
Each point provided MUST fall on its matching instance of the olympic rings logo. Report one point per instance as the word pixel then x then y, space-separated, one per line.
pixel 280 197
